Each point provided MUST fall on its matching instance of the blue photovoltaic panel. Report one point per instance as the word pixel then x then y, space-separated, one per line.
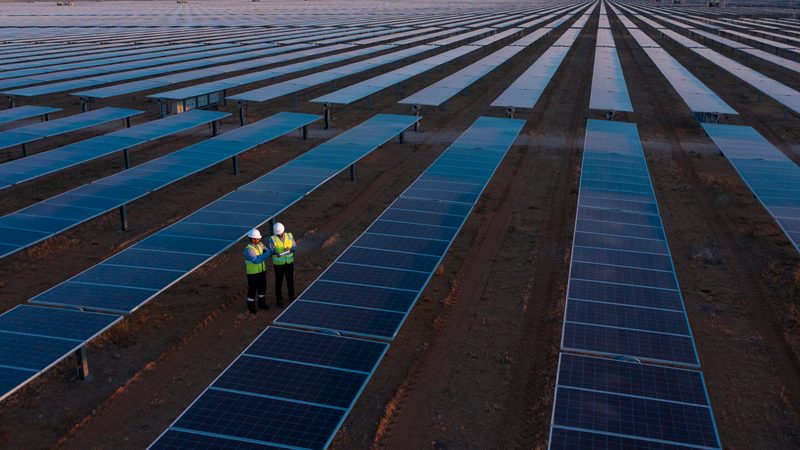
pixel 289 388
pixel 177 440
pixel 33 338
pixel 446 88
pixel 25 112
pixel 44 163
pixel 525 91
pixel 602 403
pixel 194 61
pixel 253 77
pixel 768 172
pixel 104 195
pixel 623 296
pixel 697 96
pixel 76 122
pixel 371 287
pixel 299 84
pixel 128 279
pixel 609 91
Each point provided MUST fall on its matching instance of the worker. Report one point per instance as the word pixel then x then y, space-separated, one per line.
pixel 282 247
pixel 255 257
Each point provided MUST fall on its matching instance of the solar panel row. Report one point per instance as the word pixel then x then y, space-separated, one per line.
pixel 47 218
pixel 525 91
pixel 25 112
pixel 370 289
pixel 609 91
pixel 623 301
pixel 623 296
pixel 697 96
pixel 778 91
pixel 130 278
pixel 30 133
pixel 40 164
pixel 92 76
pixel 305 383
pixel 768 172
pixel 446 88
pixel 262 75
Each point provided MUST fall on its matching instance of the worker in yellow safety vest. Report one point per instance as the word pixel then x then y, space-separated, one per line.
pixel 255 257
pixel 282 247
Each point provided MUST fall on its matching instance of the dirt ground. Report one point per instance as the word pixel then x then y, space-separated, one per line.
pixel 474 365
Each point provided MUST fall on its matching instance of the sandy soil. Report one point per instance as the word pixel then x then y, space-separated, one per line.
pixel 474 365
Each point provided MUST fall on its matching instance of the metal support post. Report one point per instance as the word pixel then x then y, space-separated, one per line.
pixel 327 114
pixel 162 108
pixel 402 137
pixel 45 117
pixel 224 97
pixel 127 122
pixel 242 113
pixel 235 162
pixel 214 128
pixel 83 364
pixel 352 172
pixel 123 218
pixel 270 224
pixel 127 158
pixel 417 111
pixel 510 112
pixel 12 102
pixel 304 132
pixel 84 104
pixel 24 150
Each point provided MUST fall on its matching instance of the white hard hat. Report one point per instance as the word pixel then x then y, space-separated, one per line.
pixel 278 228
pixel 254 234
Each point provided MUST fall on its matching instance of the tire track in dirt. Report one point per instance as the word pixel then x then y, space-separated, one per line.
pixel 526 414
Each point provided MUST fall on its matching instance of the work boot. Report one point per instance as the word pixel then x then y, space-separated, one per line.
pixel 262 303
pixel 251 305
pixel 279 302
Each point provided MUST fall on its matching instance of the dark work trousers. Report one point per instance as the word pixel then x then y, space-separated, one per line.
pixel 281 271
pixel 257 283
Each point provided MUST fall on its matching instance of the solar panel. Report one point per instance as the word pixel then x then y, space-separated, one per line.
pixel 623 296
pixel 94 199
pixel 130 278
pixel 443 90
pixel 525 91
pixel 150 68
pixel 697 96
pixel 44 163
pixel 35 338
pixel 289 388
pixel 371 287
pixel 298 84
pixel 25 112
pixel 609 91
pixel 33 132
pixel 770 87
pixel 768 172
pixel 602 403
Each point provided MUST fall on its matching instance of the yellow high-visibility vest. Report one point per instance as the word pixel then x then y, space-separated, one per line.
pixel 281 246
pixel 251 267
